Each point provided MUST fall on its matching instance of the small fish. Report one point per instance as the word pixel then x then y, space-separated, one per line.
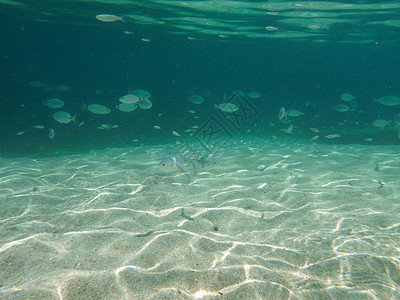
pixel 332 136
pixel 98 109
pixel 62 88
pixel 282 113
pixel 380 123
pixel 289 129
pixel 54 103
pixel 196 99
pixel 271 28
pixel 107 126
pixel 130 99
pixel 108 18
pixel 315 137
pixel 63 117
pixel 145 103
pixel 156 127
pixel 388 100
pixel 368 140
pixel 207 162
pixel 254 95
pixel 39 126
pixel 315 130
pixel 227 107
pixel 170 164
pixel 294 113
pixel 20 133
pixel 126 107
pixel 175 133
pixel 52 133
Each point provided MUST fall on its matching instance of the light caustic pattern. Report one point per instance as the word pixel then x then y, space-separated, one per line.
pixel 313 222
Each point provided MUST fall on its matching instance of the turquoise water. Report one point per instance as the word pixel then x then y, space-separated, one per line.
pixel 176 49
pixel 303 200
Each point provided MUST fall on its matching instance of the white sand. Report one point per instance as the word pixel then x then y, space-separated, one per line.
pixel 316 223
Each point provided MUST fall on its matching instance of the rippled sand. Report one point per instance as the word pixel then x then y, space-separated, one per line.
pixel 318 222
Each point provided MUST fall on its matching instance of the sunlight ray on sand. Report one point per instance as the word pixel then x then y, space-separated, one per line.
pixel 310 218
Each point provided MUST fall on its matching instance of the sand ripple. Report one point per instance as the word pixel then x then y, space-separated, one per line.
pixel 316 222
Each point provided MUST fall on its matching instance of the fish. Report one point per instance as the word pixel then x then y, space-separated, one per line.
pixel 227 107
pixel 98 109
pixel 254 95
pixel 126 107
pixel 196 99
pixel 282 113
pixel 52 133
pixel 130 99
pixel 145 103
pixel 342 108
pixel 388 100
pixel 37 84
pixel 107 126
pixel 207 161
pixel 54 103
pixel 108 18
pixel 62 88
pixel 289 129
pixel 170 164
pixel 141 94
pixel 294 113
pixel 271 28
pixel 380 123
pixel 333 136
pixel 347 97
pixel 63 117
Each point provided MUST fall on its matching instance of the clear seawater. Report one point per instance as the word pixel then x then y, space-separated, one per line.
pixel 300 55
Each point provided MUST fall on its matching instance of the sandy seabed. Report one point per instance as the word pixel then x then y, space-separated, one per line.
pixel 315 222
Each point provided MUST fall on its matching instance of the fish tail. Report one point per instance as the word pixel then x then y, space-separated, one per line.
pixel 74 119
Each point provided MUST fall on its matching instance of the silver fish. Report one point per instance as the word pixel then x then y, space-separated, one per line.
pixel 282 113
pixel 170 164
pixel 207 161
pixel 52 133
